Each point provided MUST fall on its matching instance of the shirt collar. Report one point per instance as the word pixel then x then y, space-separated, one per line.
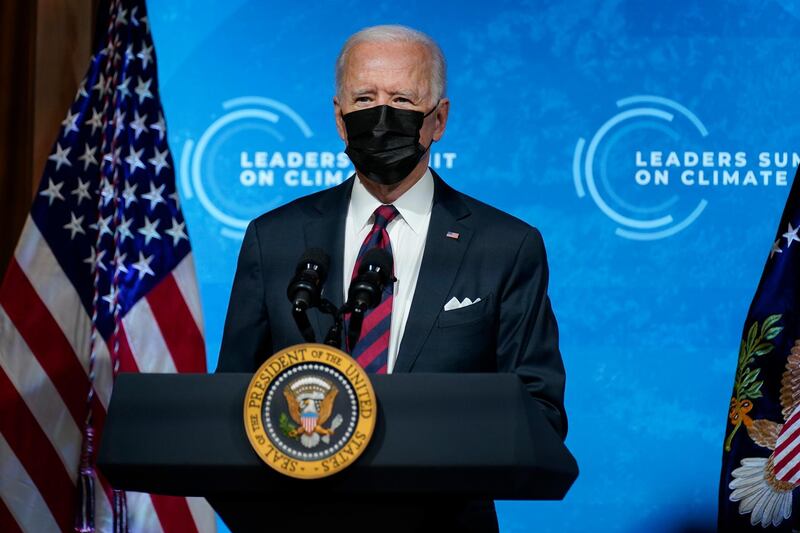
pixel 414 205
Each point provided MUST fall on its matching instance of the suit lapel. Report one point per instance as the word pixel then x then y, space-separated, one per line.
pixel 440 263
pixel 325 230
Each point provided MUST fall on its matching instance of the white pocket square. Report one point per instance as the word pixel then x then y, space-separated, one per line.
pixel 453 303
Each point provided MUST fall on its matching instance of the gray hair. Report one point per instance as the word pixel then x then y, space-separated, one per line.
pixel 396 33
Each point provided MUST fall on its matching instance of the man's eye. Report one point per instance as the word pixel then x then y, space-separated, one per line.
pixel 362 99
pixel 402 100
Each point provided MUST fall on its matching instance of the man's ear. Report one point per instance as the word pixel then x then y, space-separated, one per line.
pixel 442 112
pixel 337 115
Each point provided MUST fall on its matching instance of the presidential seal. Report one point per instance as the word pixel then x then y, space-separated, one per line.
pixel 309 411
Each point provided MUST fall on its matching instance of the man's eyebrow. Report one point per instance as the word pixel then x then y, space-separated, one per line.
pixel 408 93
pixel 360 91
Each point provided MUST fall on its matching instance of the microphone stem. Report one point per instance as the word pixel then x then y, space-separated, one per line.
pixel 303 324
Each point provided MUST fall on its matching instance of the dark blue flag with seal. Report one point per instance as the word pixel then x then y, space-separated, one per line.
pixel 761 451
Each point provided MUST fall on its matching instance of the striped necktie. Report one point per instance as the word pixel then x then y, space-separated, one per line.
pixel 372 349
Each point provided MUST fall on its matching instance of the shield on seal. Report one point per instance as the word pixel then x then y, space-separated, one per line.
pixel 309 422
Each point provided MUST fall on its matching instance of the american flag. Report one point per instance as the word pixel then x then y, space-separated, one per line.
pixel 102 281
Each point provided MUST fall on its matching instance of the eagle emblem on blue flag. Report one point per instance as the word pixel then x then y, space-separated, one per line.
pixel 761 452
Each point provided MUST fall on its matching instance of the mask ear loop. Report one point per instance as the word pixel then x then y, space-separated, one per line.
pixel 439 101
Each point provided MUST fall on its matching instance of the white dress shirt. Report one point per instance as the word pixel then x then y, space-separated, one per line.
pixel 407 233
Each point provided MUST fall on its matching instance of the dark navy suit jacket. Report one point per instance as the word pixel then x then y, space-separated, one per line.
pixel 496 257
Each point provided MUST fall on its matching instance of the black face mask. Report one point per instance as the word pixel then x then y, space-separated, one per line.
pixel 383 141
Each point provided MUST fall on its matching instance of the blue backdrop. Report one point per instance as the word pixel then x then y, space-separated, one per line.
pixel 651 143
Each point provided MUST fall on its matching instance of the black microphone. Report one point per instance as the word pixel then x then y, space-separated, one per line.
pixel 366 290
pixel 305 288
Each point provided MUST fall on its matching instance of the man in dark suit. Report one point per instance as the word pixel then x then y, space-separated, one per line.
pixel 471 294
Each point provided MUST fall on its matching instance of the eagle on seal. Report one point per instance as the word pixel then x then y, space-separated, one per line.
pixel 304 411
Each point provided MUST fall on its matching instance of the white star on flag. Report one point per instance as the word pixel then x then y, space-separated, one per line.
pixel 134 159
pixel 100 86
pixel 121 16
pixel 70 123
pixel 123 89
pixel 160 127
pixel 119 122
pixel 159 160
pixel 176 232
pixel 53 191
pixel 113 158
pixel 81 191
pixel 143 89
pixel 129 194
pixel 75 225
pixel 61 156
pixel 154 195
pixel 119 260
pixel 103 225
pixel 791 235
pixel 137 124
pixel 111 296
pixel 96 121
pixel 94 260
pixel 146 55
pixel 82 90
pixel 106 191
pixel 143 266
pixel 88 156
pixel 124 229
pixel 149 230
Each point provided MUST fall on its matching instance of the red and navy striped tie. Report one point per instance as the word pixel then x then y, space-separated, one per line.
pixel 372 349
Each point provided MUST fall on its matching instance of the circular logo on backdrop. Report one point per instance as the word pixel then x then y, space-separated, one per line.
pixel 651 166
pixel 639 118
pixel 309 411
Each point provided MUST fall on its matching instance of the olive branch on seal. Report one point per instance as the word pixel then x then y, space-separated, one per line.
pixel 746 385
pixel 287 428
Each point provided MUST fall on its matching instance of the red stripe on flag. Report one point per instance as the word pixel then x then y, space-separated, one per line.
pixel 174 514
pixel 45 339
pixel 47 342
pixel 786 477
pixel 177 326
pixel 126 361
pixel 7 522
pixel 36 453
pixel 787 434
pixel 786 459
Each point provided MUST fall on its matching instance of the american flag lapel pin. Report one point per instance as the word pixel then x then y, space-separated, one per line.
pixel 452 235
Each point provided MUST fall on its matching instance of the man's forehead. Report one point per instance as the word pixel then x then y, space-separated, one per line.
pixel 392 59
